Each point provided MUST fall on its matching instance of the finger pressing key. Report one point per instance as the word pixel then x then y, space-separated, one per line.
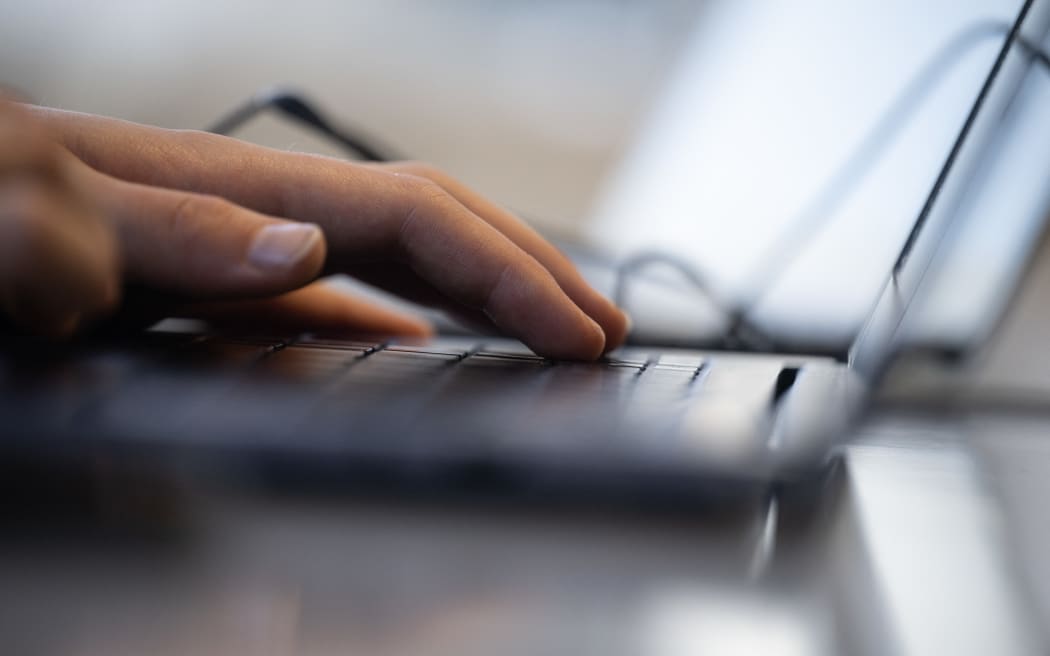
pixel 367 215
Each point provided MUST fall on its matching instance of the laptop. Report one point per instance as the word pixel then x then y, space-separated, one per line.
pixel 486 417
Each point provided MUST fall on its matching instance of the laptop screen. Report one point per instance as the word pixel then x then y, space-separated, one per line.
pixel 952 189
pixel 767 106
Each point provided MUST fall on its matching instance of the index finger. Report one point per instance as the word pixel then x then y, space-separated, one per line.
pixel 363 212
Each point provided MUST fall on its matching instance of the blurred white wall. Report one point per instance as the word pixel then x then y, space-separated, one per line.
pixel 529 101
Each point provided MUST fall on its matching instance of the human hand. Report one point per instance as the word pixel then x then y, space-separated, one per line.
pixel 214 227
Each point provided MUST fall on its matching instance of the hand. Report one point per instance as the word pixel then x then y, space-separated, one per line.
pixel 217 228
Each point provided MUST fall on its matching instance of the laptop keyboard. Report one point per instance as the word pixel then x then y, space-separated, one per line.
pixel 422 402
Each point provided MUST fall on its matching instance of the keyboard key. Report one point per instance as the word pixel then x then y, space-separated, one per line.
pixel 681 359
pixel 299 364
pixel 508 348
pixel 458 346
pixel 357 344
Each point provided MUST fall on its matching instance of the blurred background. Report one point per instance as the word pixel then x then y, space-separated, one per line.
pixel 531 102
pixel 706 128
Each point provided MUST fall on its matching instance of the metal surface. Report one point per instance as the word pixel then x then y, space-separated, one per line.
pixel 908 553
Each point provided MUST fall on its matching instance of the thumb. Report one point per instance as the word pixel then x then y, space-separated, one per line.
pixel 206 246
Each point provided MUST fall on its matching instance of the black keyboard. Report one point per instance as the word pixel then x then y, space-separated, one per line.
pixel 448 404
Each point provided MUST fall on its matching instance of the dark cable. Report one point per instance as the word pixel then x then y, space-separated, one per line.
pixel 299 109
pixel 740 331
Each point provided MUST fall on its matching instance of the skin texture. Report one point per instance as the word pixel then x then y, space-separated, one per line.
pixel 207 226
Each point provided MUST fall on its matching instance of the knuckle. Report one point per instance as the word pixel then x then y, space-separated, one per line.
pixel 518 279
pixel 192 208
pixel 492 296
pixel 422 170
pixel 194 143
pixel 425 190
pixel 194 138
pixel 426 201
pixel 195 215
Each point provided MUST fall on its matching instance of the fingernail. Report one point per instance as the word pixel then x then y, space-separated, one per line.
pixel 628 322
pixel 282 245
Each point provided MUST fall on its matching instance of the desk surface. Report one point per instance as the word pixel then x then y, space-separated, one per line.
pixel 926 545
